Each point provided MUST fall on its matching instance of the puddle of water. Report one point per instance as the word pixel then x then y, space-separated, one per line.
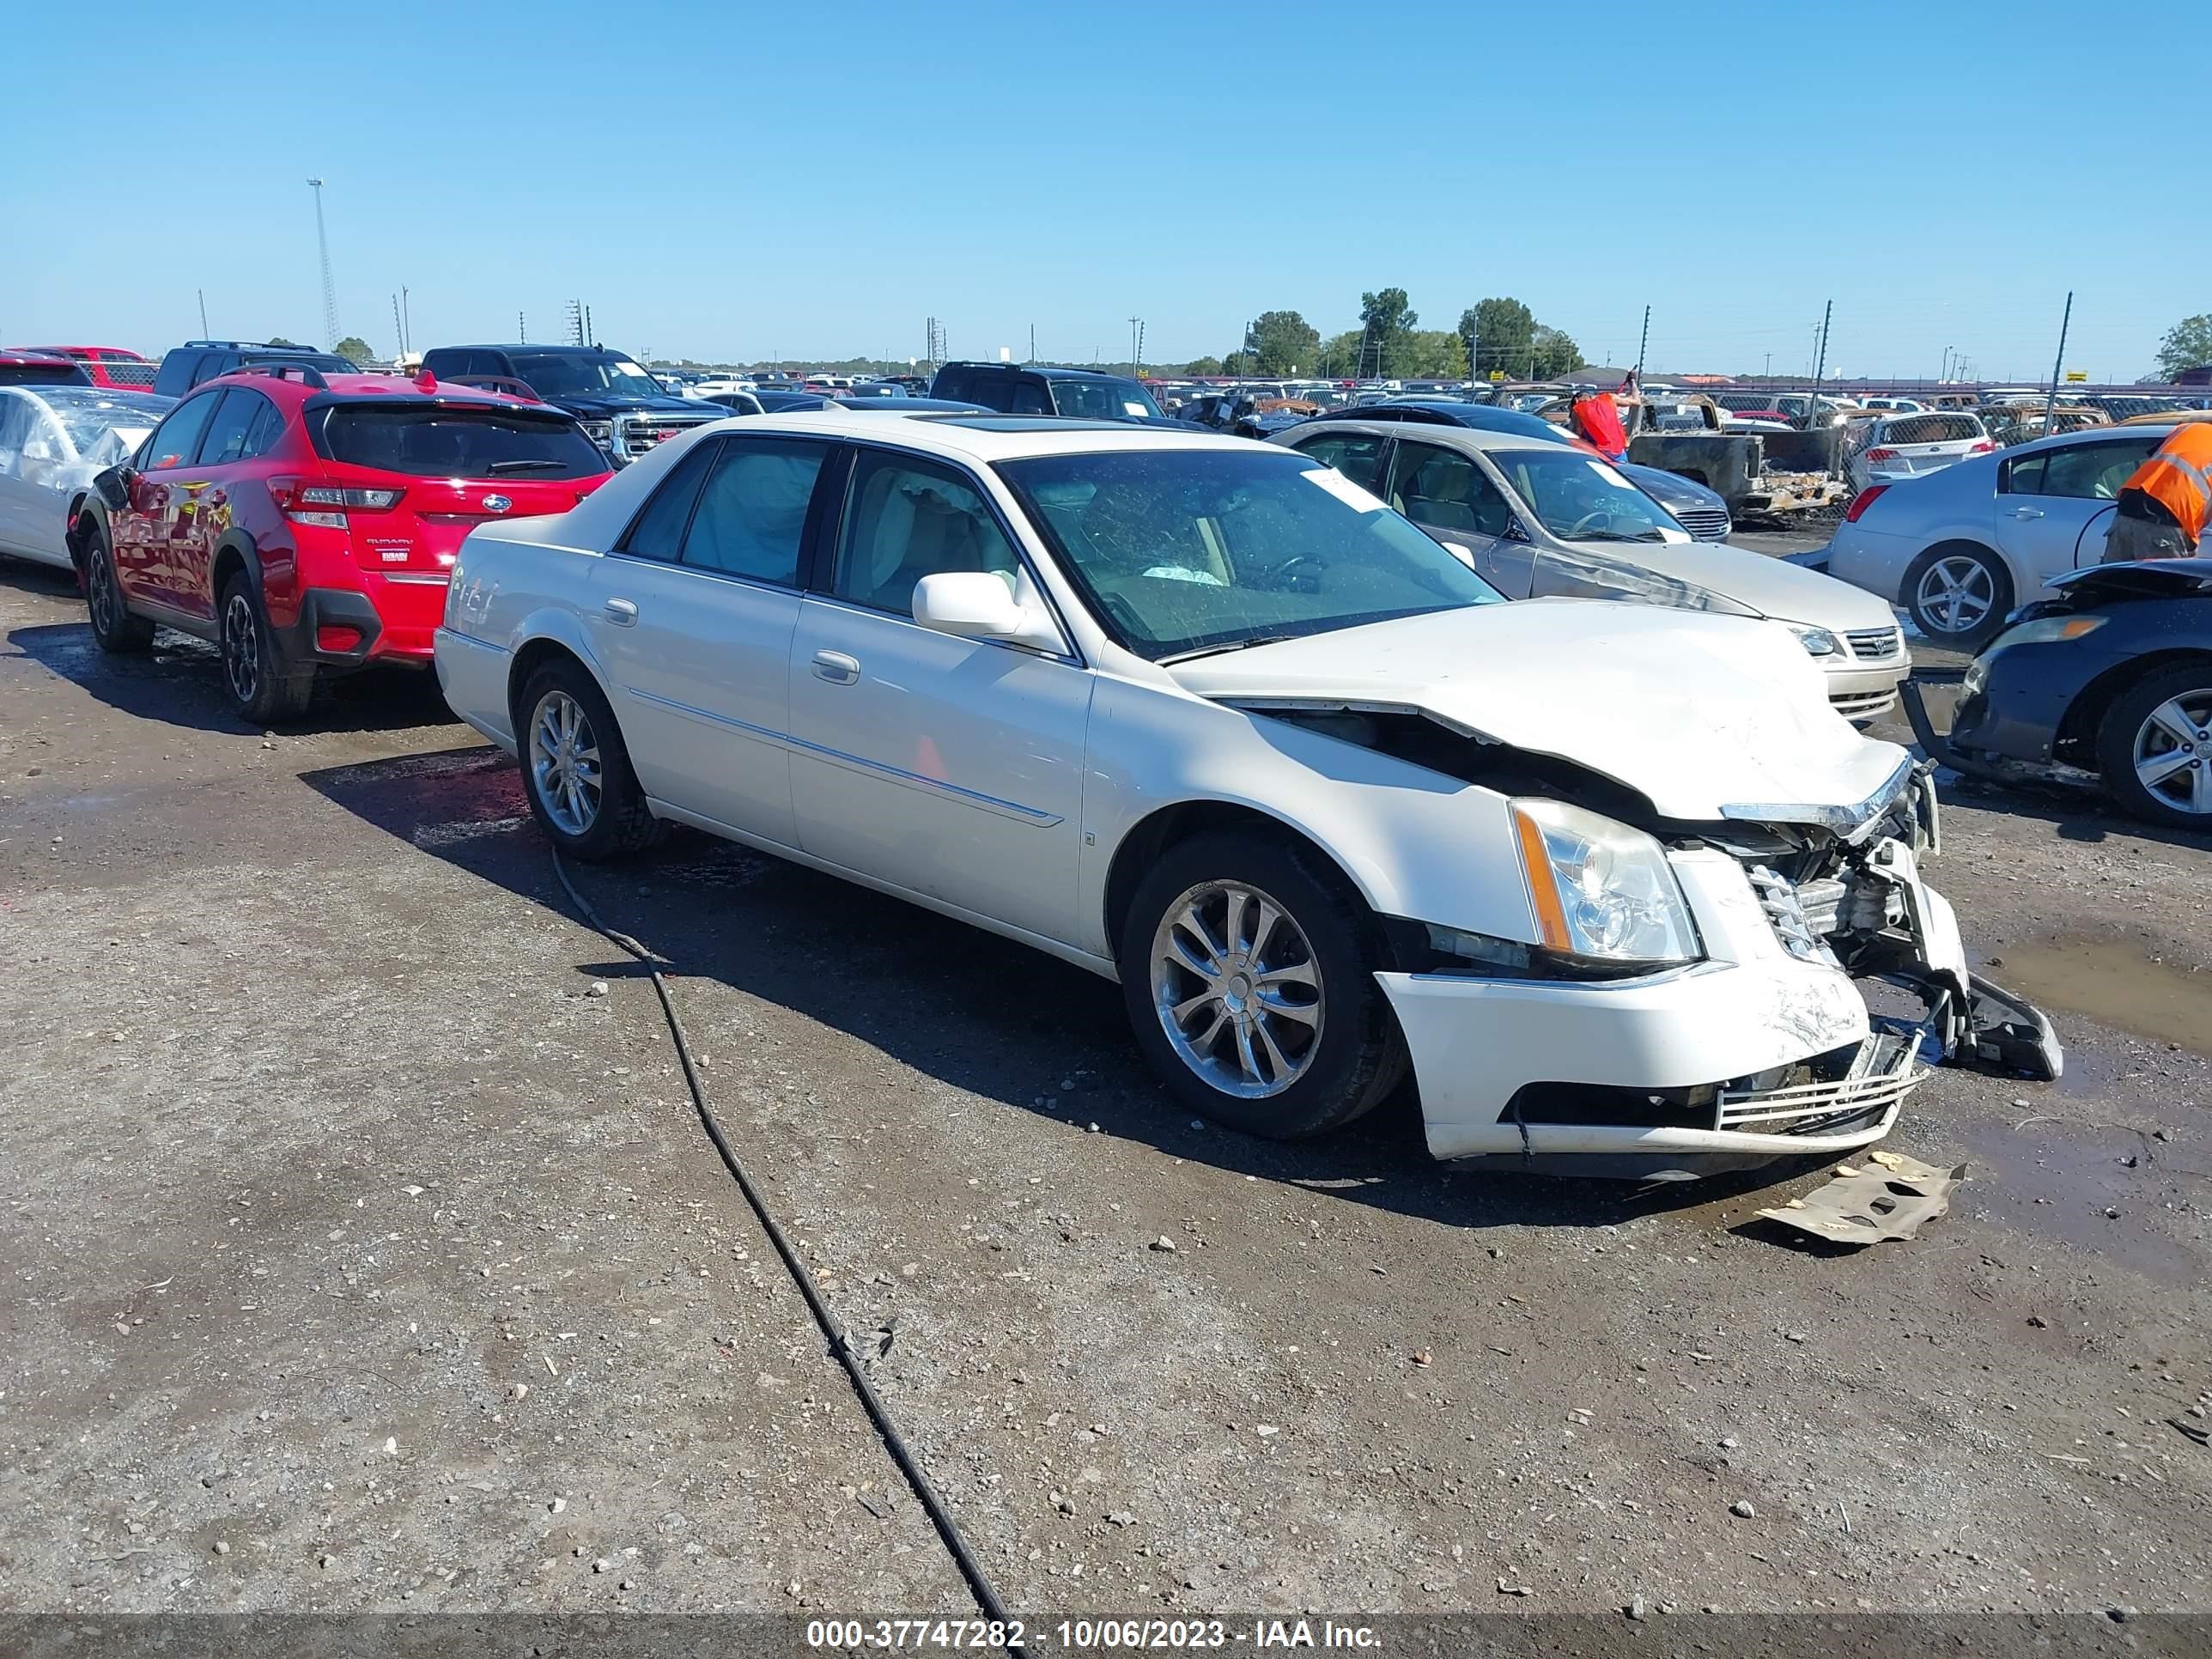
pixel 2115 983
pixel 2059 1180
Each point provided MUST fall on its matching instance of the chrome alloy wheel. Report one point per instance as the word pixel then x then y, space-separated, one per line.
pixel 100 593
pixel 241 648
pixel 564 764
pixel 2174 752
pixel 1237 990
pixel 1956 593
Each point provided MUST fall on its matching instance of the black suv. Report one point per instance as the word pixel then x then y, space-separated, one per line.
pixel 624 408
pixel 1033 389
pixel 185 366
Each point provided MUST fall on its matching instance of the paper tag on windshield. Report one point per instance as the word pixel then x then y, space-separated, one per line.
pixel 1328 478
pixel 1137 410
pixel 1606 473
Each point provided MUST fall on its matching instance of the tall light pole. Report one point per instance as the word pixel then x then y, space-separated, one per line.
pixel 330 292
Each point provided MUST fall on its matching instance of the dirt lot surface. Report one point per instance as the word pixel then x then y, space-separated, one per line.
pixel 363 1250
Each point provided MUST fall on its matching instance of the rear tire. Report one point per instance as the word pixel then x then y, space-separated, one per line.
pixel 1959 595
pixel 113 626
pixel 262 688
pixel 576 770
pixel 2154 748
pixel 1248 967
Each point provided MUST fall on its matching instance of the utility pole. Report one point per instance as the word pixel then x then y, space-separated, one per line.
pixel 590 335
pixel 2058 364
pixel 330 292
pixel 398 332
pixel 406 320
pixel 1768 373
pixel 1032 341
pixel 1642 342
pixel 1134 323
pixel 203 328
pixel 1819 367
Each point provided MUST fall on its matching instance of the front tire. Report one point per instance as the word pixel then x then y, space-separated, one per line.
pixel 262 688
pixel 576 770
pixel 116 629
pixel 2154 748
pixel 1248 966
pixel 1958 593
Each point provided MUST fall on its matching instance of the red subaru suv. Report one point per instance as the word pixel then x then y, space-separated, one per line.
pixel 308 522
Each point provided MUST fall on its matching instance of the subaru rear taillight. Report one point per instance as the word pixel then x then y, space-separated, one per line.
pixel 1862 500
pixel 1873 455
pixel 325 504
pixel 1985 447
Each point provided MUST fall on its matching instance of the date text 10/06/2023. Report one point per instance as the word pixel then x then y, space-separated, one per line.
pixel 1091 1635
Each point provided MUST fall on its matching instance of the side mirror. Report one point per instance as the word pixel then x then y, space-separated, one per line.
pixel 979 604
pixel 114 487
pixel 1459 551
pixel 1516 532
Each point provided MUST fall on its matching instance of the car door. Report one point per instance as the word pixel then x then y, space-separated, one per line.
pixel 2046 499
pixel 696 607
pixel 1447 493
pixel 204 510
pixel 143 530
pixel 19 420
pixel 950 768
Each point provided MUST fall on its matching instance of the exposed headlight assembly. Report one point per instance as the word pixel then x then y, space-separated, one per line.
pixel 1817 642
pixel 1601 889
pixel 2047 630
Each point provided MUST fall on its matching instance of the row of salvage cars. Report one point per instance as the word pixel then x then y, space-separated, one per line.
pixel 1211 719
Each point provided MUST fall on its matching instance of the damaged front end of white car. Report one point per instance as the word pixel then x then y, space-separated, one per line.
pixel 1715 877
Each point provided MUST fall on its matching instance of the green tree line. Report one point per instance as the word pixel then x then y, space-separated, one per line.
pixel 1500 335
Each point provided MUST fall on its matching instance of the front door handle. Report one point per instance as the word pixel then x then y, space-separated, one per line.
pixel 621 613
pixel 2027 512
pixel 836 667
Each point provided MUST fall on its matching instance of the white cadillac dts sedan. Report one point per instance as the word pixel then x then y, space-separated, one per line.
pixel 1206 717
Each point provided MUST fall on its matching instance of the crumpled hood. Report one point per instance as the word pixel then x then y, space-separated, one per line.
pixel 1788 592
pixel 1698 712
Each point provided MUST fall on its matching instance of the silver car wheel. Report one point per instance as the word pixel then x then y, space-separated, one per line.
pixel 1237 990
pixel 1956 593
pixel 2174 752
pixel 564 764
pixel 241 648
pixel 100 592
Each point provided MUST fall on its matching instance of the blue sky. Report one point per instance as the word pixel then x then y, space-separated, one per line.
pixel 734 180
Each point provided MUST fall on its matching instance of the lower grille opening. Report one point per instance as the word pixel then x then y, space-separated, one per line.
pixel 1594 1103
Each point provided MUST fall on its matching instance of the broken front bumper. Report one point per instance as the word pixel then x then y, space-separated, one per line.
pixel 1754 1051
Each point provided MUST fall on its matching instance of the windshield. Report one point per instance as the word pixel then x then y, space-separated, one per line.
pixel 578 375
pixel 1186 551
pixel 1104 400
pixel 444 442
pixel 86 415
pixel 1580 498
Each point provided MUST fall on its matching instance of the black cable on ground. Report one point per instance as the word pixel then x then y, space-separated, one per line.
pixel 987 1597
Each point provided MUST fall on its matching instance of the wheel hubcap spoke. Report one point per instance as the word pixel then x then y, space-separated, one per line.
pixel 564 764
pixel 1237 990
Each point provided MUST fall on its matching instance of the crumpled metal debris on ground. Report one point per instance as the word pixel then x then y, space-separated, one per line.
pixel 1864 1205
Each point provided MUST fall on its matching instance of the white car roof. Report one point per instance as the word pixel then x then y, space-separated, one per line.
pixel 984 438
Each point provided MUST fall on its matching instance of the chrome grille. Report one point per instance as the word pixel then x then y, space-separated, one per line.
pixel 1786 913
pixel 1708 524
pixel 639 433
pixel 1885 1069
pixel 1862 705
pixel 1876 644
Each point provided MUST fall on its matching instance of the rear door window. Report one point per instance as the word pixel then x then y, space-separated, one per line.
pixel 1358 455
pixel 1444 489
pixel 1029 399
pixel 2082 471
pixel 227 430
pixel 751 518
pixel 447 440
pixel 658 532
pixel 177 440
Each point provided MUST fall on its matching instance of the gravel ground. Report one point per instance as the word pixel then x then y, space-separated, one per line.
pixel 367 1254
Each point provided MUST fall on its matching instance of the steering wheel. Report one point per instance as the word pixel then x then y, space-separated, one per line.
pixel 1597 520
pixel 1287 577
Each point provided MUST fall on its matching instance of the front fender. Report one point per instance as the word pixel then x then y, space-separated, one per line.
pixel 1415 842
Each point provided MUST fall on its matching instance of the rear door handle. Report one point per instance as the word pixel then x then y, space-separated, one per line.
pixel 621 613
pixel 2027 512
pixel 836 667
